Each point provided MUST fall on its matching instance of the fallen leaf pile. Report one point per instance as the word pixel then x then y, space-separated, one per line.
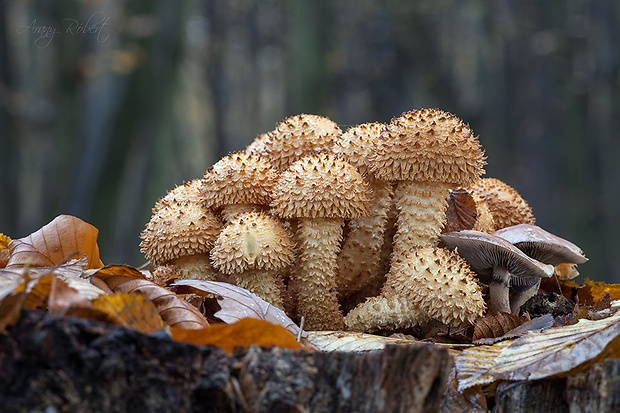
pixel 58 269
pixel 64 275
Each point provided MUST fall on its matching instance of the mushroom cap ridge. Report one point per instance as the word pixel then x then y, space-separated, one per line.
pixel 542 245
pixel 483 252
pixel 321 186
pixel 239 178
pixel 428 145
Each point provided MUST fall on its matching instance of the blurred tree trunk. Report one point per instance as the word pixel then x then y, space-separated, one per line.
pixel 102 129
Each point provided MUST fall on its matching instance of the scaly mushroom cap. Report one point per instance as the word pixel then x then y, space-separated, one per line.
pixel 428 145
pixel 506 205
pixel 484 218
pixel 239 178
pixel 189 191
pixel 298 136
pixel 483 252
pixel 321 186
pixel 542 245
pixel 179 229
pixel 440 283
pixel 356 144
pixel 258 146
pixel 252 240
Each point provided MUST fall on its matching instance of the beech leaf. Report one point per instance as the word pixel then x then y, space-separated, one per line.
pixel 495 325
pixel 54 243
pixel 354 342
pixel 236 303
pixel 243 333
pixel 555 352
pixel 175 311
pixel 461 211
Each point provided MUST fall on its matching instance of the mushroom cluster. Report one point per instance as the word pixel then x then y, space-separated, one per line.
pixel 347 230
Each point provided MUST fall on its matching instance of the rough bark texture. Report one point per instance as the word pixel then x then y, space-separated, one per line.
pixel 76 365
pixel 596 390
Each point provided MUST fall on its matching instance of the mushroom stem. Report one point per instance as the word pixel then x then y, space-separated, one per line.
pixel 228 212
pixel 499 290
pixel 520 297
pixel 194 267
pixel 264 283
pixel 390 311
pixel 421 215
pixel 319 240
pixel 361 252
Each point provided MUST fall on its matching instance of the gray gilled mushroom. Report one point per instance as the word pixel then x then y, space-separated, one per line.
pixel 542 245
pixel 501 265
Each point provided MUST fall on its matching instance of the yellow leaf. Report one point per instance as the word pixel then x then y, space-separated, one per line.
pixel 243 333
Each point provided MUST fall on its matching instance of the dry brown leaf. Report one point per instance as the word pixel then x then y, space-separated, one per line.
pixel 236 302
pixel 554 352
pixel 62 296
pixel 56 242
pixel 70 272
pixel 243 333
pixel 470 400
pixel 132 311
pixel 603 304
pixel 4 250
pixel 12 297
pixel 461 211
pixel 173 310
pixel 495 325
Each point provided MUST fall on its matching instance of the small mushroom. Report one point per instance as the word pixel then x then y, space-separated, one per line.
pixel 252 249
pixel 294 138
pixel 182 234
pixel 505 203
pixel 238 182
pixel 501 265
pixel 435 282
pixel 189 191
pixel 542 245
pixel 321 191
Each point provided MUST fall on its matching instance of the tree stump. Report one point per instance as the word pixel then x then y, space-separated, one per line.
pixel 67 365
pixel 596 390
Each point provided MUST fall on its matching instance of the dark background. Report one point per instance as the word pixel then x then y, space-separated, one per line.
pixel 101 122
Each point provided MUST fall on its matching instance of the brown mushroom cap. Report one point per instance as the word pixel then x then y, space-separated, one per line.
pixel 506 205
pixel 484 252
pixel 298 136
pixel 321 186
pixel 542 245
pixel 356 143
pixel 252 240
pixel 179 229
pixel 428 145
pixel 239 178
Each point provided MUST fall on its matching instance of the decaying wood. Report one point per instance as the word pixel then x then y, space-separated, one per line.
pixel 596 390
pixel 77 365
